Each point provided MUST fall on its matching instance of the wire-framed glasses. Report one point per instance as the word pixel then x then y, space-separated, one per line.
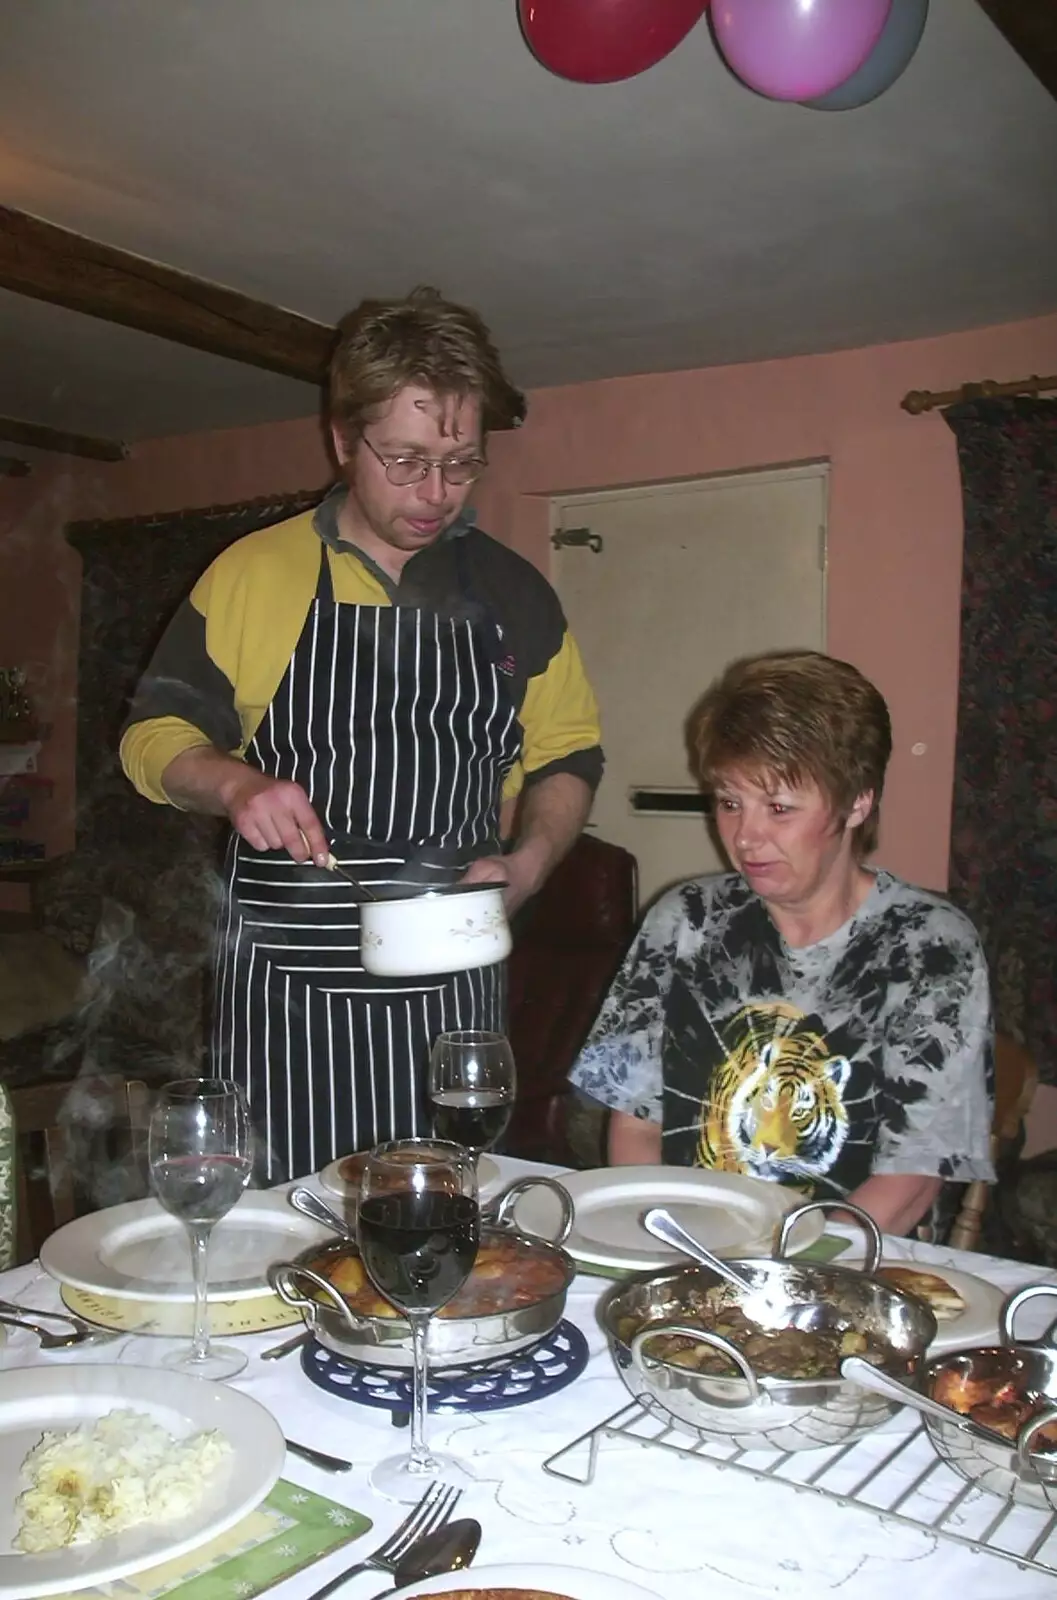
pixel 404 470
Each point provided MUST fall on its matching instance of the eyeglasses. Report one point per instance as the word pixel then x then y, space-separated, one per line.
pixel 405 470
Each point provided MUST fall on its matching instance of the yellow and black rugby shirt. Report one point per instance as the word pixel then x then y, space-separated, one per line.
pixel 223 656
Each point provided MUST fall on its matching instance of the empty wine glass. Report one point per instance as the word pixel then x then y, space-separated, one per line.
pixel 417 1227
pixel 199 1151
pixel 472 1084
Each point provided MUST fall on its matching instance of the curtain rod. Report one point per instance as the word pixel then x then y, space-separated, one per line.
pixel 919 400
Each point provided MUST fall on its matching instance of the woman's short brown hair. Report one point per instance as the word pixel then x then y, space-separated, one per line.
pixel 423 339
pixel 795 715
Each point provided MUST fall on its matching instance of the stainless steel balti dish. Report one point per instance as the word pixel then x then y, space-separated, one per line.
pixel 752 1409
pixel 518 1286
pixel 1020 1463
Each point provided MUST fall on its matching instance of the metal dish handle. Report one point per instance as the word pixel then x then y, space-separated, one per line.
pixel 874 1244
pixel 701 1336
pixel 1033 1291
pixel 503 1216
pixel 283 1277
pixel 1026 1461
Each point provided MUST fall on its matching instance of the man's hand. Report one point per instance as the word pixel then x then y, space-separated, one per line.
pixel 519 873
pixel 269 813
pixel 553 811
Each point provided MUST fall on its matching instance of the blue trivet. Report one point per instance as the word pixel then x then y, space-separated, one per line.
pixel 513 1380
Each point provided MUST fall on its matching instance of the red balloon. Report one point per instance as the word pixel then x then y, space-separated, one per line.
pixel 601 41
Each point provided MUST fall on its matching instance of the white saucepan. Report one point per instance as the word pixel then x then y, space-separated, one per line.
pixel 441 930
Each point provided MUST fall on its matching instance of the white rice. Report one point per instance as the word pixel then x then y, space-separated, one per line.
pixel 109 1475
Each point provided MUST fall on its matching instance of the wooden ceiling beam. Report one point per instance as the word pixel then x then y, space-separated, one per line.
pixel 1030 26
pixel 35 436
pixel 50 263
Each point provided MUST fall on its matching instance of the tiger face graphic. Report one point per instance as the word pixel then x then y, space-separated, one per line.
pixel 775 1107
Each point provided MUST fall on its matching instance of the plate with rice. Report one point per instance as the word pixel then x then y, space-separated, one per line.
pixel 106 1471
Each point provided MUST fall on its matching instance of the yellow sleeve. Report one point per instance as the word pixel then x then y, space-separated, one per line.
pixel 147 748
pixel 559 716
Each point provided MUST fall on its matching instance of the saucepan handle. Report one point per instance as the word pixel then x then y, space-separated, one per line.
pixel 285 1277
pixel 874 1244
pixel 701 1336
pixel 1026 1438
pixel 504 1218
pixel 1032 1291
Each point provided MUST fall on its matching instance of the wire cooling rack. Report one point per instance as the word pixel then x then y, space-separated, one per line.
pixel 896 1475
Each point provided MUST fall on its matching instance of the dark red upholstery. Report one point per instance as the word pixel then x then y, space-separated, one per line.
pixel 568 944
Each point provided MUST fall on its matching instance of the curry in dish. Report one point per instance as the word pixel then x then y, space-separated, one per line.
pixel 772 1353
pixel 508 1273
pixel 996 1403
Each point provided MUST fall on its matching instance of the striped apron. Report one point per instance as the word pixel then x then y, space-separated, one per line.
pixel 400 726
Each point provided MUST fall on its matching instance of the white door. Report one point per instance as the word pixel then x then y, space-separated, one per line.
pixel 689 577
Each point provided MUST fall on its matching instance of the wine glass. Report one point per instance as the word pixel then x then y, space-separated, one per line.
pixel 417 1227
pixel 198 1148
pixel 472 1084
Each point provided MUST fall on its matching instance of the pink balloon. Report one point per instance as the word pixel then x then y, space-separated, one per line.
pixel 601 41
pixel 797 49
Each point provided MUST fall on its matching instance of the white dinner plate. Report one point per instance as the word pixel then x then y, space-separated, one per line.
pixel 575 1583
pixel 977 1324
pixel 730 1214
pixel 59 1398
pixel 138 1251
pixel 488 1175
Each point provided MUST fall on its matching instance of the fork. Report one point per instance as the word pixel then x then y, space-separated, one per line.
pixel 14 1309
pixel 432 1511
pixel 59 1341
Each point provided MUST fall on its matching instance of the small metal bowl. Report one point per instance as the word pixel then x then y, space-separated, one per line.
pixel 756 1411
pixel 1007 1467
pixel 452 1341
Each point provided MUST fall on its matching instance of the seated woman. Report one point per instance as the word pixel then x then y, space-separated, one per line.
pixel 802 1019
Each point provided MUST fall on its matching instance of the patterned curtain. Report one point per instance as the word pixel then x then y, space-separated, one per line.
pixel 1004 833
pixel 138 894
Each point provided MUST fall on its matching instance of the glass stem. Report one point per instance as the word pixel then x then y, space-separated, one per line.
pixel 419 1459
pixel 199 1268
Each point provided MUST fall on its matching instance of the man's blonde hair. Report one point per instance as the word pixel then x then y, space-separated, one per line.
pixel 795 715
pixel 423 339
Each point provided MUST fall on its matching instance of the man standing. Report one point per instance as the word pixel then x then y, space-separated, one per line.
pixel 372 680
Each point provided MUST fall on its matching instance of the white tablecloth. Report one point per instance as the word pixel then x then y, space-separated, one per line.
pixel 677 1526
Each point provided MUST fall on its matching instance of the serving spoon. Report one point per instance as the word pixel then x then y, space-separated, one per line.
pixel 763 1306
pixel 311 1205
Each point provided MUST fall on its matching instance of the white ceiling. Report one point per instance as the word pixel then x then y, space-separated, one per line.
pixel 311 153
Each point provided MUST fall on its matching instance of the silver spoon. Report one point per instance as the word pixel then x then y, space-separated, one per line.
pixel 867 1376
pixel 60 1341
pixel 762 1305
pixel 664 1227
pixel 447 1549
pixel 310 1205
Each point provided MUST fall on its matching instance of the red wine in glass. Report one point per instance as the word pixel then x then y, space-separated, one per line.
pixel 418 1248
pixel 474 1118
pixel 417 1226
pixel 472 1086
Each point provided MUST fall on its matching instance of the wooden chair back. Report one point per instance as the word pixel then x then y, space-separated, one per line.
pixel 1016 1079
pixel 80 1144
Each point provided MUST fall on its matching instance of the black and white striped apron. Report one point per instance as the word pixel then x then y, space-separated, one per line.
pixel 400 726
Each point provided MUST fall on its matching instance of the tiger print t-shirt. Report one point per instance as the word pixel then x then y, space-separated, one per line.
pixel 868 1052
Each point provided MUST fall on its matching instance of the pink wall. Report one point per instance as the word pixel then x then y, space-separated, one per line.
pixel 895 520
pixel 894 525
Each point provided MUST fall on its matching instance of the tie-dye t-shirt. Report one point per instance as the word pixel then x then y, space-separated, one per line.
pixel 868 1052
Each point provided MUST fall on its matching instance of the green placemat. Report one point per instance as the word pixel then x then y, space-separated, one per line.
pixel 289 1530
pixel 824 1249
